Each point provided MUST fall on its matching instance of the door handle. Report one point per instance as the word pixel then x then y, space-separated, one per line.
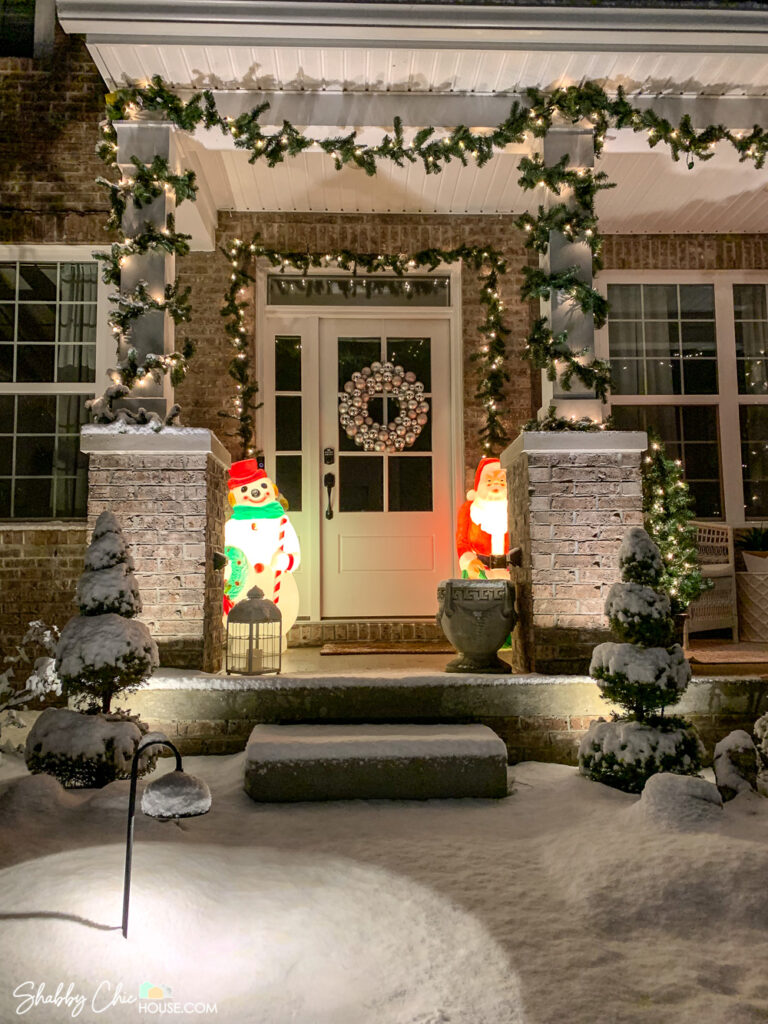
pixel 329 481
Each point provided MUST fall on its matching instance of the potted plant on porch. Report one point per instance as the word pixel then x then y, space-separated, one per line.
pixel 754 549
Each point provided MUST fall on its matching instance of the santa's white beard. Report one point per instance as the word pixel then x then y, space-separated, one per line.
pixel 491 517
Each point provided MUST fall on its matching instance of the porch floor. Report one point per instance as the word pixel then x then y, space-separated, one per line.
pixel 723 657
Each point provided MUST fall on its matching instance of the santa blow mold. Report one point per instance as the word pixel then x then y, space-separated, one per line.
pixel 482 540
pixel 261 545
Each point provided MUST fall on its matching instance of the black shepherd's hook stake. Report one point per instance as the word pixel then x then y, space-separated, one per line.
pixel 131 815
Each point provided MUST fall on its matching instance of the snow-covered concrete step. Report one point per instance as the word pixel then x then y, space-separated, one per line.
pixel 368 762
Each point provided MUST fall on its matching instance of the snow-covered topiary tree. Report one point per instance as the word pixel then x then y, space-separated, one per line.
pixel 643 675
pixel 104 651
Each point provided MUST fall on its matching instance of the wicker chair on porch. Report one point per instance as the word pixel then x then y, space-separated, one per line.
pixel 716 608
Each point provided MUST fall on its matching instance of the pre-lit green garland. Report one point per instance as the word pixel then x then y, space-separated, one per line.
pixel 575 219
pixel 488 263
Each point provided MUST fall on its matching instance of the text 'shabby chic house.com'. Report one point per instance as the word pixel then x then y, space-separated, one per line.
pixel 330 252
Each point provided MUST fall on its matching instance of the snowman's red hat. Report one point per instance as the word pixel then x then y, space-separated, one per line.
pixel 481 466
pixel 247 471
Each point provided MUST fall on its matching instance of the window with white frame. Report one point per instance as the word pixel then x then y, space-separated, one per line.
pixel 688 353
pixel 52 352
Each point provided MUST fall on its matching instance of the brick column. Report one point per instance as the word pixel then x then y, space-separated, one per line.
pixel 572 496
pixel 168 490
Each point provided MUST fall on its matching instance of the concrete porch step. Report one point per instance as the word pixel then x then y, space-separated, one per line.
pixel 374 762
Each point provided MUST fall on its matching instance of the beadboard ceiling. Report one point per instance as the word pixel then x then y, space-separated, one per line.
pixel 653 193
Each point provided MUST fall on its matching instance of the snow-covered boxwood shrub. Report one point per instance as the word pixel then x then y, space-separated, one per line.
pixel 640 614
pixel 625 753
pixel 104 651
pixel 642 675
pixel 86 750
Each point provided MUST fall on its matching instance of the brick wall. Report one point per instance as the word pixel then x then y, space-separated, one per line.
pixel 686 252
pixel 208 388
pixel 50 115
pixel 39 568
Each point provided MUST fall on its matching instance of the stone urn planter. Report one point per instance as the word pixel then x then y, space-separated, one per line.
pixel 476 617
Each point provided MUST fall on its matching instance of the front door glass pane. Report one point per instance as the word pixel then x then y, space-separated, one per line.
pixel 361 483
pixel 410 484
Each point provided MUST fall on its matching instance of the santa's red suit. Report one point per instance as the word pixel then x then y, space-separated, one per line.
pixel 472 538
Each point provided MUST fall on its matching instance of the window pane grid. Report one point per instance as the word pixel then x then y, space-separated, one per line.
pixel 753 421
pixel 751 327
pixel 689 433
pixel 42 471
pixel 662 339
pixel 44 336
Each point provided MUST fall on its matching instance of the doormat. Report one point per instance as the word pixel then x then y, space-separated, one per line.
pixel 714 653
pixel 387 647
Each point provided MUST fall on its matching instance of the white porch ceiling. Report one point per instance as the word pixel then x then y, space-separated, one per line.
pixel 411 69
pixel 653 194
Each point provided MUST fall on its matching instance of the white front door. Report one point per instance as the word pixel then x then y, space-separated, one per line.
pixel 389 540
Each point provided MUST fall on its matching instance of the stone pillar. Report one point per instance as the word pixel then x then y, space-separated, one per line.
pixel 153 332
pixel 572 496
pixel 560 310
pixel 168 490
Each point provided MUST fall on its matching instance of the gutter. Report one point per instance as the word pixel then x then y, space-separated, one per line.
pixel 427 25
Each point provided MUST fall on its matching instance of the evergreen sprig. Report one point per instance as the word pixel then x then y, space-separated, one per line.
pixel 546 350
pixel 538 284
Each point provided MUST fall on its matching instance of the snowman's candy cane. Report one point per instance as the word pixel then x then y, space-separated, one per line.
pixel 279 572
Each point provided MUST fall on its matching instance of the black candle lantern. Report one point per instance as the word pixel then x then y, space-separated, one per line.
pixel 254 636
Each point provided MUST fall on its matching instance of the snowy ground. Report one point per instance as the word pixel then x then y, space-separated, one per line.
pixel 561 905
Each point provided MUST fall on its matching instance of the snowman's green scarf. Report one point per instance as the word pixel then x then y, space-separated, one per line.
pixel 272 510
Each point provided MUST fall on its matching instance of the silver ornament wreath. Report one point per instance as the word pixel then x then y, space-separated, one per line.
pixel 383 380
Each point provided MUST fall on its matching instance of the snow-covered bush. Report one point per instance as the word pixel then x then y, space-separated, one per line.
pixel 642 675
pixel 640 614
pixel 625 672
pixel 41 681
pixel 83 750
pixel 761 736
pixel 626 753
pixel 639 559
pixel 102 651
pixel 736 764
